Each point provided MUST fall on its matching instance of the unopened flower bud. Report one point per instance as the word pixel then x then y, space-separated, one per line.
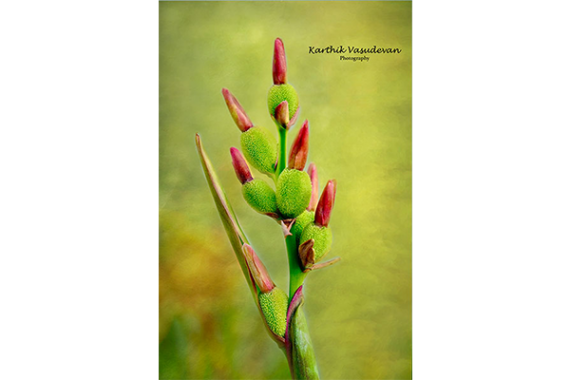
pixel 272 300
pixel 240 166
pixel 274 308
pixel 260 196
pixel 300 148
pixel 279 94
pixel 257 270
pixel 279 63
pixel 236 110
pixel 319 231
pixel 282 114
pixel 260 148
pixel 322 237
pixel 326 203
pixel 293 192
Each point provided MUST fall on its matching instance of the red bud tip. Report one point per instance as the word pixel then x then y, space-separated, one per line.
pixel 237 111
pixel 282 114
pixel 257 270
pixel 240 166
pixel 300 148
pixel 279 63
pixel 326 203
pixel 312 171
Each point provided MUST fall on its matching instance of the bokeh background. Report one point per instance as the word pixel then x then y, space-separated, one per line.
pixel 359 310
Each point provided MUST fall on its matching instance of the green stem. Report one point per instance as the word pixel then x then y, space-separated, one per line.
pixel 296 275
pixel 282 150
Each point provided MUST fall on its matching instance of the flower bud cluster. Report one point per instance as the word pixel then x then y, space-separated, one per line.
pixel 295 202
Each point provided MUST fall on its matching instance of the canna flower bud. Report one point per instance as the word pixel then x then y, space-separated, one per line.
pixel 279 63
pixel 240 166
pixel 319 231
pixel 322 237
pixel 279 94
pixel 282 114
pixel 326 203
pixel 236 110
pixel 293 192
pixel 281 91
pixel 258 194
pixel 312 170
pixel 274 308
pixel 273 301
pixel 300 148
pixel 257 270
pixel 260 148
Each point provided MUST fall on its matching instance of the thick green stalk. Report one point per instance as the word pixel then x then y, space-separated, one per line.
pixel 296 275
pixel 303 356
pixel 282 149
pixel 298 345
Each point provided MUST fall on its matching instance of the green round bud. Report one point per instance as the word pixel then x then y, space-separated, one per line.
pixel 322 237
pixel 260 196
pixel 279 93
pixel 301 222
pixel 293 192
pixel 260 149
pixel 274 308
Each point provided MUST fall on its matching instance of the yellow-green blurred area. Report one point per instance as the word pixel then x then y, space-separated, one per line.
pixel 359 310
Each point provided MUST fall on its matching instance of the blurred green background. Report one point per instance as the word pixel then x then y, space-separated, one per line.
pixel 359 310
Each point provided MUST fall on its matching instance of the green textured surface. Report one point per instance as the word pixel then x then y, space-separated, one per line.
pixel 293 192
pixel 260 196
pixel 260 149
pixel 274 307
pixel 301 222
pixel 322 237
pixel 280 93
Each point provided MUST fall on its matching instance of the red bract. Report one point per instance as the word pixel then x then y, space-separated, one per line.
pixel 236 110
pixel 300 148
pixel 326 203
pixel 279 63
pixel 282 114
pixel 240 166
pixel 257 270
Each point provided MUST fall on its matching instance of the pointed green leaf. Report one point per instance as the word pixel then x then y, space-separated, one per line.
pixel 229 220
pixel 233 229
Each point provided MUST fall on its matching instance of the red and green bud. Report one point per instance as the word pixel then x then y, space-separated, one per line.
pixel 326 203
pixel 240 166
pixel 260 148
pixel 322 237
pixel 236 110
pixel 258 194
pixel 300 148
pixel 273 301
pixel 279 94
pixel 279 63
pixel 282 114
pixel 257 270
pixel 319 231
